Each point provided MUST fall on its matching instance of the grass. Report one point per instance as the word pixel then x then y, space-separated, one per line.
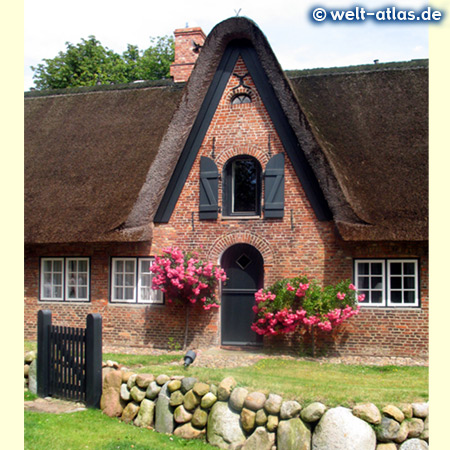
pixel 91 429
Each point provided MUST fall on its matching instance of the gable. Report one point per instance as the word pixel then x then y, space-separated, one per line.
pixel 234 51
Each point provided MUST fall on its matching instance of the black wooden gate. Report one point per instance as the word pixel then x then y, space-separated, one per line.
pixel 69 363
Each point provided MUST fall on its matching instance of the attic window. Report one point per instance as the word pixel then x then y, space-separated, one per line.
pixel 240 99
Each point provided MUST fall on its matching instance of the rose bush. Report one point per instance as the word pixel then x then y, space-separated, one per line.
pixel 292 303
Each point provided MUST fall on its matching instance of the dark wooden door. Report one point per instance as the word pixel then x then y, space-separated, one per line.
pixel 244 266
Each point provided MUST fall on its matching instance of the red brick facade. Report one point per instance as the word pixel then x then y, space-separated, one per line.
pixel 297 244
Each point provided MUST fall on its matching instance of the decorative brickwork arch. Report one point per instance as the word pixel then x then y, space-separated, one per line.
pixel 250 150
pixel 241 237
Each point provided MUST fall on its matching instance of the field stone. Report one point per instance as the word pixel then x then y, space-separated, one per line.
pixel 237 398
pixel 26 369
pixel 208 400
pixel 32 377
pixel 201 389
pixel 191 400
pixel 394 412
pixel 339 429
pixel 415 427
pixel 174 385
pixel 368 412
pixel 406 409
pixel 187 431
pixel 130 412
pixel 137 394
pixel 124 392
pixel 313 412
pixel 153 390
pixel 248 418
pixel 255 401
pixel 146 414
pixel 187 383
pixel 214 389
pixel 420 410
pixel 293 434
pixel 273 404
pixel 272 422
pixel 414 444
pixel 225 388
pixel 110 401
pixel 223 426
pixel 426 431
pixel 176 399
pixel 259 440
pixel 290 409
pixel 126 374
pixel 261 418
pixel 162 379
pixel 199 418
pixel 29 356
pixel 389 446
pixel 387 430
pixel 131 381
pixel 163 412
pixel 402 433
pixel 144 379
pixel 180 415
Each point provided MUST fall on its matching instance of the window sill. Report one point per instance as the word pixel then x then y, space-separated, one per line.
pixel 134 304
pixel 241 217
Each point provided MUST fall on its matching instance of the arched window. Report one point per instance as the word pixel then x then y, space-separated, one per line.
pixel 242 187
pixel 240 99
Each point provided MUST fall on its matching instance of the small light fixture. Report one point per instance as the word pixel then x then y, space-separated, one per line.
pixel 189 358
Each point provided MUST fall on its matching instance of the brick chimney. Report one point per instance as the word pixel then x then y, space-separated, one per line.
pixel 187 48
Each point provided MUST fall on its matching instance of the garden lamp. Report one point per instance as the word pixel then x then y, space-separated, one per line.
pixel 189 358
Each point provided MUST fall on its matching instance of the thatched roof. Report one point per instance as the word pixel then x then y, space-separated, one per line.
pixel 97 161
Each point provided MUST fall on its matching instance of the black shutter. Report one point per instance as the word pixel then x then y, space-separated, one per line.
pixel 274 187
pixel 209 189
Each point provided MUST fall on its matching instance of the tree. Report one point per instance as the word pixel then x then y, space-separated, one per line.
pixel 89 63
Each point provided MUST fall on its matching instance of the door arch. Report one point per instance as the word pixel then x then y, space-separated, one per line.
pixel 244 266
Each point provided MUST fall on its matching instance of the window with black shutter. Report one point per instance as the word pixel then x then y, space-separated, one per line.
pixel 209 189
pixel 274 187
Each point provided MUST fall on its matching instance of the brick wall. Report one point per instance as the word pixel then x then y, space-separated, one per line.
pixel 296 244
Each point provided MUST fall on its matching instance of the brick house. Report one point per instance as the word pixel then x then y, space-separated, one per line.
pixel 271 174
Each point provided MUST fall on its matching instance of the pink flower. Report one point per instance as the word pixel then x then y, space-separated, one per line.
pixel 361 297
pixel 340 296
pixel 289 287
pixel 352 287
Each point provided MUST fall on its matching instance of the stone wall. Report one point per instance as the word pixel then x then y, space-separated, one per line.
pixel 233 417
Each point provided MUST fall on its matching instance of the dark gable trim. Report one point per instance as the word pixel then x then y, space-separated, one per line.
pixel 203 120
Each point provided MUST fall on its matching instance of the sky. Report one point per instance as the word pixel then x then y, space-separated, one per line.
pixel 297 41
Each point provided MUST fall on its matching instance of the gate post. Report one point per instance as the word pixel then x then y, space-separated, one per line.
pixel 93 360
pixel 43 352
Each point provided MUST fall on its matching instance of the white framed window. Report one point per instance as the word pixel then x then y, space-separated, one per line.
pixel 131 281
pixel 65 279
pixel 388 282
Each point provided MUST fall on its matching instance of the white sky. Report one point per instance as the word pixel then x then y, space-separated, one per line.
pixel 297 42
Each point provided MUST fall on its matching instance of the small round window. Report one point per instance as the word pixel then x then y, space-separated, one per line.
pixel 240 99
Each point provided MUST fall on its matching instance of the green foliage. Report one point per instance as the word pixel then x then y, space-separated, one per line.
pixel 88 63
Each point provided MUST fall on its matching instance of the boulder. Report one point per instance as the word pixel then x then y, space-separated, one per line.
pixel 420 410
pixel 406 409
pixel 339 429
pixel 153 390
pixel 415 427
pixel 163 412
pixel 237 398
pixel 187 384
pixel 259 440
pixel 414 444
pixel 126 374
pixel 223 426
pixel 180 415
pixel 29 357
pixel 162 379
pixel 200 418
pixel 208 400
pixel 130 412
pixel 248 418
pixel 255 401
pixel 273 404
pixel 290 409
pixel 368 412
pixel 144 379
pixel 201 389
pixel 174 385
pixel 191 400
pixel 389 446
pixel 272 422
pixel 293 434
pixel 187 431
pixel 394 412
pixel 426 431
pixel 176 399
pixel 388 429
pixel 402 433
pixel 137 394
pixel 313 412
pixel 110 403
pixel 124 392
pixel 131 382
pixel 146 414
pixel 225 388
pixel 32 377
pixel 26 369
pixel 261 418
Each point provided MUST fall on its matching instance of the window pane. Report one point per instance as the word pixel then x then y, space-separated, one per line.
pixel 409 268
pixel 82 292
pixel 409 296
pixel 118 279
pixel 47 278
pixel 145 294
pixel 396 283
pixel 57 279
pixel 409 283
pixel 244 186
pixel 118 293
pixel 363 268
pixel 363 282
pixel 396 268
pixel 82 266
pixel 129 280
pixel 119 266
pixel 396 296
pixel 146 280
pixel 129 293
pixel 377 283
pixel 72 292
pixel 57 291
pixel 366 296
pixel 129 266
pixel 47 266
pixel 57 266
pixel 377 296
pixel 377 268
